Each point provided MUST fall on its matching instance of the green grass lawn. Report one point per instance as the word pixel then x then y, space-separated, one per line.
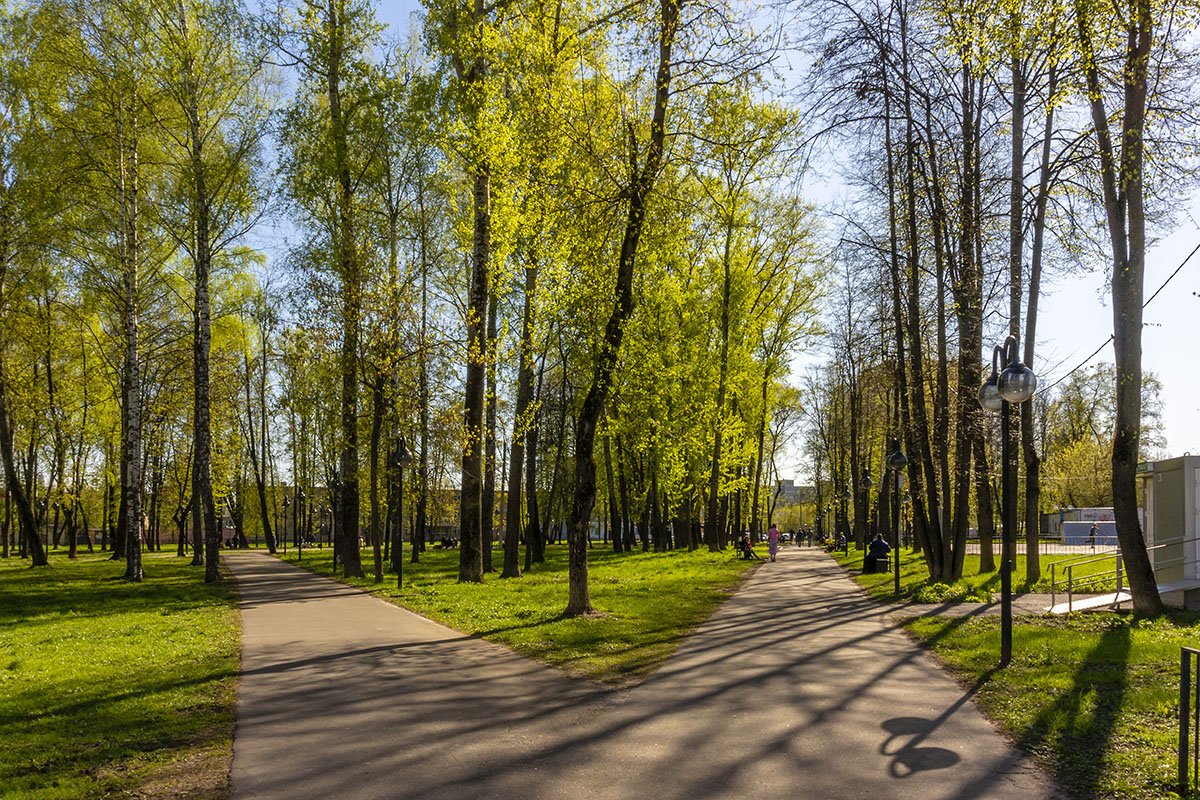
pixel 648 602
pixel 1093 696
pixel 111 689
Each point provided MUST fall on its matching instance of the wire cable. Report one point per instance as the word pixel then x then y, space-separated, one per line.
pixel 1108 341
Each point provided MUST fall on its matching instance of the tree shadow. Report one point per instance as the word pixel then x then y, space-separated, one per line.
pixel 1083 719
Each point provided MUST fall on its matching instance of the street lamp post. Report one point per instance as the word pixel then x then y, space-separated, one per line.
pixel 846 515
pixel 866 484
pixel 896 461
pixel 1013 386
pixel 401 458
pixel 283 528
pixel 300 519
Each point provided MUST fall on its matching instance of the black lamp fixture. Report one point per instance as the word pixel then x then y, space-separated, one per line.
pixel 896 461
pixel 1014 385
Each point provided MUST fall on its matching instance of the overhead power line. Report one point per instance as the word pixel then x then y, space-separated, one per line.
pixel 1107 341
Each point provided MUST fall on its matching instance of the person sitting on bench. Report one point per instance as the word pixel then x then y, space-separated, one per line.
pixel 877 552
pixel 748 549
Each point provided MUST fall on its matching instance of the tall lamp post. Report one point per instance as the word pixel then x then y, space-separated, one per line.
pixel 1013 386
pixel 301 519
pixel 283 528
pixel 846 511
pixel 866 484
pixel 401 458
pixel 896 461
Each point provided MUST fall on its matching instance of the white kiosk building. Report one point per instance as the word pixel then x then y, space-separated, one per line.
pixel 1172 524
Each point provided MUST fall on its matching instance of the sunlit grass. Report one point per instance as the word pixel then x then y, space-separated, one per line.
pixel 1094 696
pixel 647 604
pixel 108 687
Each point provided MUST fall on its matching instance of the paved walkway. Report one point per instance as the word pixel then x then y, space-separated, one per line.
pixel 798 688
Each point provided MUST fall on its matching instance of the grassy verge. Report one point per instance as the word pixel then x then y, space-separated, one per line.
pixel 648 602
pixel 1093 696
pixel 111 689
pixel 974 585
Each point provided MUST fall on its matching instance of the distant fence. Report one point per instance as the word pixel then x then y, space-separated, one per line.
pixel 1047 547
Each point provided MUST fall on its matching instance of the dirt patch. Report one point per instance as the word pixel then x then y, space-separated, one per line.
pixel 198 774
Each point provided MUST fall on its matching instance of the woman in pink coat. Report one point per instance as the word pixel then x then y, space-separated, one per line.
pixel 773 541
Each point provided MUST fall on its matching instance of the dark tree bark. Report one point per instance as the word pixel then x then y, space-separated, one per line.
pixel 131 383
pixel 206 535
pixel 1033 462
pixel 614 512
pixel 516 463
pixel 1016 249
pixel 1124 208
pixel 12 481
pixel 377 410
pixel 350 273
pixel 419 530
pixel 258 460
pixel 641 181
pixel 470 563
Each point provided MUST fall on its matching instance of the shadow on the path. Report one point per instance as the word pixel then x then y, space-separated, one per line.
pixel 458 718
pixel 1085 716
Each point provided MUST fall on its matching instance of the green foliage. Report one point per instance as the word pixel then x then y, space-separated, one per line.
pixel 936 592
pixel 107 685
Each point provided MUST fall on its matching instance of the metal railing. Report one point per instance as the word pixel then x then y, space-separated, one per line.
pixel 1189 720
pixel 1095 581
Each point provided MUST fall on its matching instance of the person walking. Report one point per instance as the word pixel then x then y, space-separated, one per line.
pixel 773 541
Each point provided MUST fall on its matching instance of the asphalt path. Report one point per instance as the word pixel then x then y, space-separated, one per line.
pixel 799 687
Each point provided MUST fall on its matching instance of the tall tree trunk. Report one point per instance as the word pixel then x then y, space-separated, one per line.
pixel 419 530
pixel 969 308
pixel 377 409
pixel 16 493
pixel 614 512
pixel 1016 250
pixel 521 414
pixel 756 522
pixel 1121 178
pixel 487 506
pixel 13 482
pixel 206 535
pixel 714 522
pixel 1033 462
pixel 350 272
pixel 535 551
pixel 641 181
pixel 257 461
pixel 131 407
pixel 470 564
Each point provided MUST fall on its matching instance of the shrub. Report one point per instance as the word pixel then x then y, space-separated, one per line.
pixel 950 593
